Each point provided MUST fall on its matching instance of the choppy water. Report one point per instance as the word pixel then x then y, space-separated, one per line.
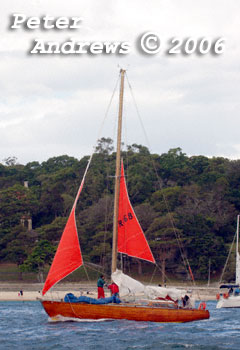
pixel 24 325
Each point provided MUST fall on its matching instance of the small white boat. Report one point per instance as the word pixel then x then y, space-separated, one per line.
pixel 231 292
pixel 231 298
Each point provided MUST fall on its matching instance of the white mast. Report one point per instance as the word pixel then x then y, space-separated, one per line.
pixel 117 179
pixel 237 255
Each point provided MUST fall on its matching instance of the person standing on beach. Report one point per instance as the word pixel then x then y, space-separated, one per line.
pixel 100 284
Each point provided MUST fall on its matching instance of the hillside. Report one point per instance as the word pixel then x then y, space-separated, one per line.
pixel 194 198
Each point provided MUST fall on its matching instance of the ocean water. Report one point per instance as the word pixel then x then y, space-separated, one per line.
pixel 25 326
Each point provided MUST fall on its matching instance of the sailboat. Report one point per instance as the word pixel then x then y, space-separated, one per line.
pixel 231 297
pixel 159 304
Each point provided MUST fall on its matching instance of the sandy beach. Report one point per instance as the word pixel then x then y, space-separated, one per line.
pixel 31 292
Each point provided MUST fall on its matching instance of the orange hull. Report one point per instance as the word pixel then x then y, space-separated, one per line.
pixel 123 311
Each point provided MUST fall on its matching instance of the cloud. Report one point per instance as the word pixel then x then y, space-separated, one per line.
pixel 52 105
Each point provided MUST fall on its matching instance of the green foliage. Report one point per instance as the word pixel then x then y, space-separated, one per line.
pixel 95 229
pixel 42 254
pixel 166 199
pixel 52 232
pixel 54 164
pixel 202 244
pixel 18 236
pixel 162 235
pixel 10 161
pixel 202 194
pixel 105 146
pixel 174 167
pixel 16 201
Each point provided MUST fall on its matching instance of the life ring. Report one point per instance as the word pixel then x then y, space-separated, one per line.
pixel 202 306
pixel 218 296
pixel 225 295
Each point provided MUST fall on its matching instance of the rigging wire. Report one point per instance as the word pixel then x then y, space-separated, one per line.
pixel 85 270
pixel 107 111
pixel 95 146
pixel 229 253
pixel 184 258
pixel 107 205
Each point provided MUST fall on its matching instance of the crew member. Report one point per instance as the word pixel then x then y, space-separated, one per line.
pixel 186 301
pixel 100 284
pixel 114 289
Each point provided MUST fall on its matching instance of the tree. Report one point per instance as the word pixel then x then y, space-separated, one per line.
pixel 52 232
pixel 135 148
pixel 139 173
pixel 201 244
pixel 16 245
pixel 57 163
pixel 10 161
pixel 42 254
pixel 208 203
pixel 16 201
pixel 145 214
pixel 105 146
pixel 174 168
pixel 95 229
pixel 202 194
pixel 51 203
pixel 167 199
pixel 163 241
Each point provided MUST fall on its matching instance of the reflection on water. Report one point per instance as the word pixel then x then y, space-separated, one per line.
pixel 25 325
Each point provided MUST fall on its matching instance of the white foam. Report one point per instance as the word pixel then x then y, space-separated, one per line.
pixel 60 318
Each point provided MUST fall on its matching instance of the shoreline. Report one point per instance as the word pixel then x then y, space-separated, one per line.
pixel 32 291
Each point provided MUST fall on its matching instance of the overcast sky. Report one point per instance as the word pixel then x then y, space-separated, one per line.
pixel 55 104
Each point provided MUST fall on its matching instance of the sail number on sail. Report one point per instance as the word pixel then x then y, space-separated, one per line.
pixel 127 217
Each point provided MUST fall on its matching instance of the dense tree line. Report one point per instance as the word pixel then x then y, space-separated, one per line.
pixel 191 201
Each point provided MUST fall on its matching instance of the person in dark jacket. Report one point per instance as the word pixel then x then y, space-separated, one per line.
pixel 186 301
pixel 100 284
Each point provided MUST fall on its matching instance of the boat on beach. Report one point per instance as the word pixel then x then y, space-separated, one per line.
pixel 229 296
pixel 154 304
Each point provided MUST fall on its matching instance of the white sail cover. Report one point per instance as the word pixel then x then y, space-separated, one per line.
pixel 162 292
pixel 128 285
